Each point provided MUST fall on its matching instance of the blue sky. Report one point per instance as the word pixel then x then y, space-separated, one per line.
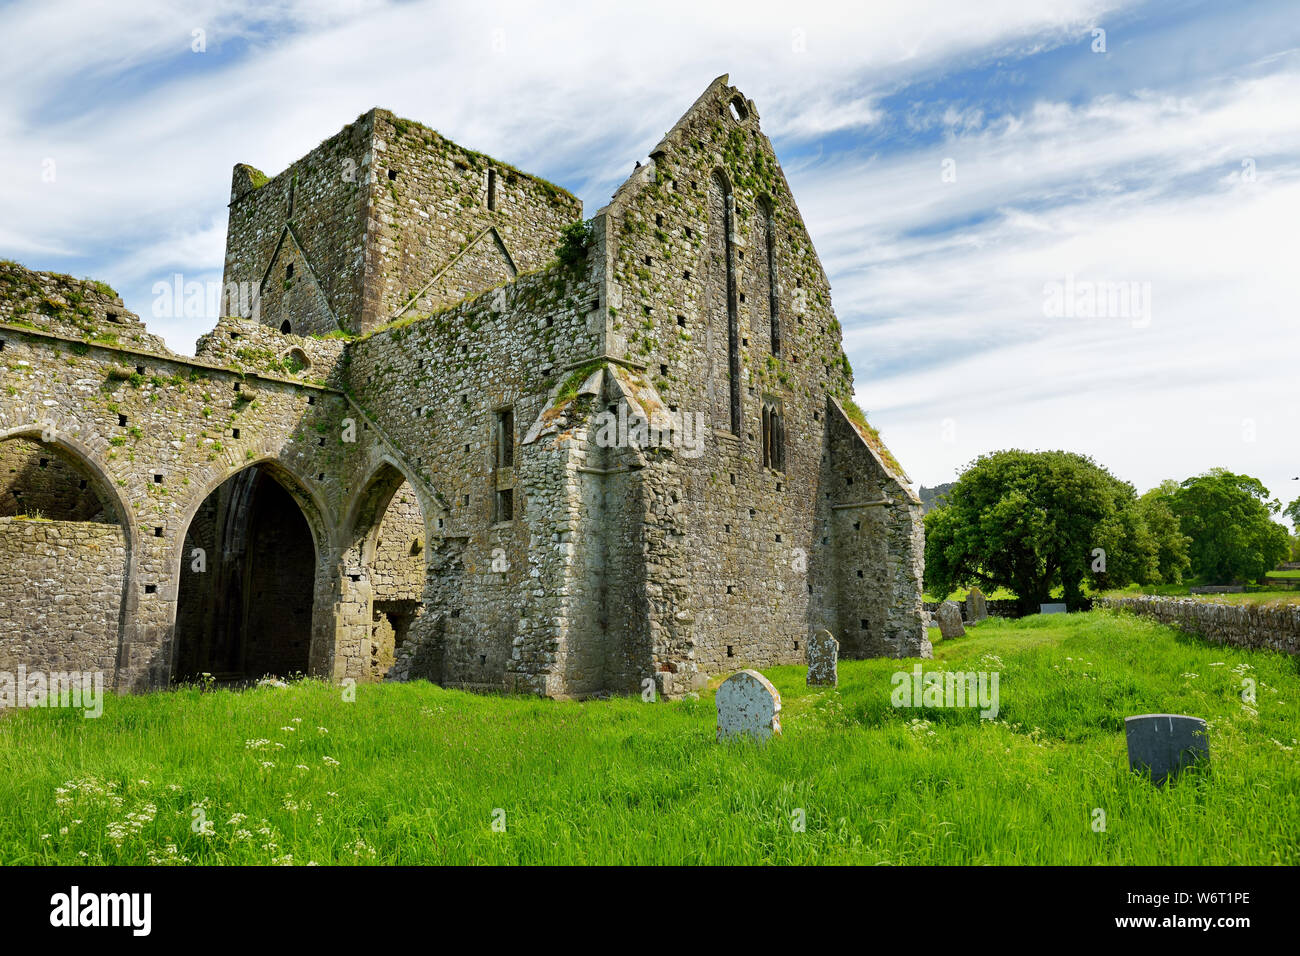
pixel 954 162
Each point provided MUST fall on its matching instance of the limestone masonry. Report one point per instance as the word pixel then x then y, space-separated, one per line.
pixel 448 429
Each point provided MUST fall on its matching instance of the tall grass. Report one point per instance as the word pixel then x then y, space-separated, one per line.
pixel 422 772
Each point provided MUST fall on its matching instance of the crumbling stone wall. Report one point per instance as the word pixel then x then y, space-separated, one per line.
pixel 62 595
pixel 397 574
pixel 387 217
pixel 397 571
pixel 872 559
pixel 75 310
pixel 157 433
pixel 246 346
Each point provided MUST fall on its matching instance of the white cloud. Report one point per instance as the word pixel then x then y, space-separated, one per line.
pixel 1113 190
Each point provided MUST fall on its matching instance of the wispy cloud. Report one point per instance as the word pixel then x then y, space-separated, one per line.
pixel 941 285
pixel 139 131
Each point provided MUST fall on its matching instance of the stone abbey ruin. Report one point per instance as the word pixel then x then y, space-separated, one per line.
pixel 454 433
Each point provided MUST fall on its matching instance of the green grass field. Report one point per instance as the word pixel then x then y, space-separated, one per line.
pixel 414 773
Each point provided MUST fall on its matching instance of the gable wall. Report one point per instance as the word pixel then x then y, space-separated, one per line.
pixel 740 543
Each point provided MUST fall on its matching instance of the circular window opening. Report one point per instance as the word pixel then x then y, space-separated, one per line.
pixel 295 360
pixel 285 327
pixel 739 112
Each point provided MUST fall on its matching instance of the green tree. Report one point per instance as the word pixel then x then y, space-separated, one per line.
pixel 1292 513
pixel 1229 518
pixel 1166 534
pixel 1029 521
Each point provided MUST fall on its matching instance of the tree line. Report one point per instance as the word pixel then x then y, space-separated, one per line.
pixel 1035 521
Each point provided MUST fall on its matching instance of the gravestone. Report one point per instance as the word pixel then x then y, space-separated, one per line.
pixel 1051 609
pixel 977 608
pixel 949 615
pixel 823 656
pixel 1165 744
pixel 748 706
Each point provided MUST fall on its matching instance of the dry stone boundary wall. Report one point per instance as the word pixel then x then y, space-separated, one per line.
pixel 1275 626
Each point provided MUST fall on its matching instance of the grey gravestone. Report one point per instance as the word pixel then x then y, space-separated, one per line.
pixel 823 655
pixel 949 615
pixel 748 706
pixel 1051 609
pixel 977 608
pixel 1165 743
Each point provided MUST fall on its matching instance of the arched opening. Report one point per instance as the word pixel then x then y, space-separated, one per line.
pixel 722 292
pixel 295 360
pixel 766 264
pixel 773 434
pixel 286 326
pixel 65 550
pixel 389 554
pixel 247 583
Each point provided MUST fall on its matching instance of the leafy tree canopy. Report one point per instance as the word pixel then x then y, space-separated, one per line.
pixel 1030 521
pixel 1229 519
pixel 1292 512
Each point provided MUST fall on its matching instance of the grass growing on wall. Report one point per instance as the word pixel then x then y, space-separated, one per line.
pixel 413 773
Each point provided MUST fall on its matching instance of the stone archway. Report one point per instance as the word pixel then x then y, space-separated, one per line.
pixel 246 598
pixel 386 563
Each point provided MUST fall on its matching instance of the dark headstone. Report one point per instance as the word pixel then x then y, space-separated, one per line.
pixel 1164 744
pixel 976 607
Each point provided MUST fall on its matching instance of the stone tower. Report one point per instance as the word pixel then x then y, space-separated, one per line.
pixel 382 220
